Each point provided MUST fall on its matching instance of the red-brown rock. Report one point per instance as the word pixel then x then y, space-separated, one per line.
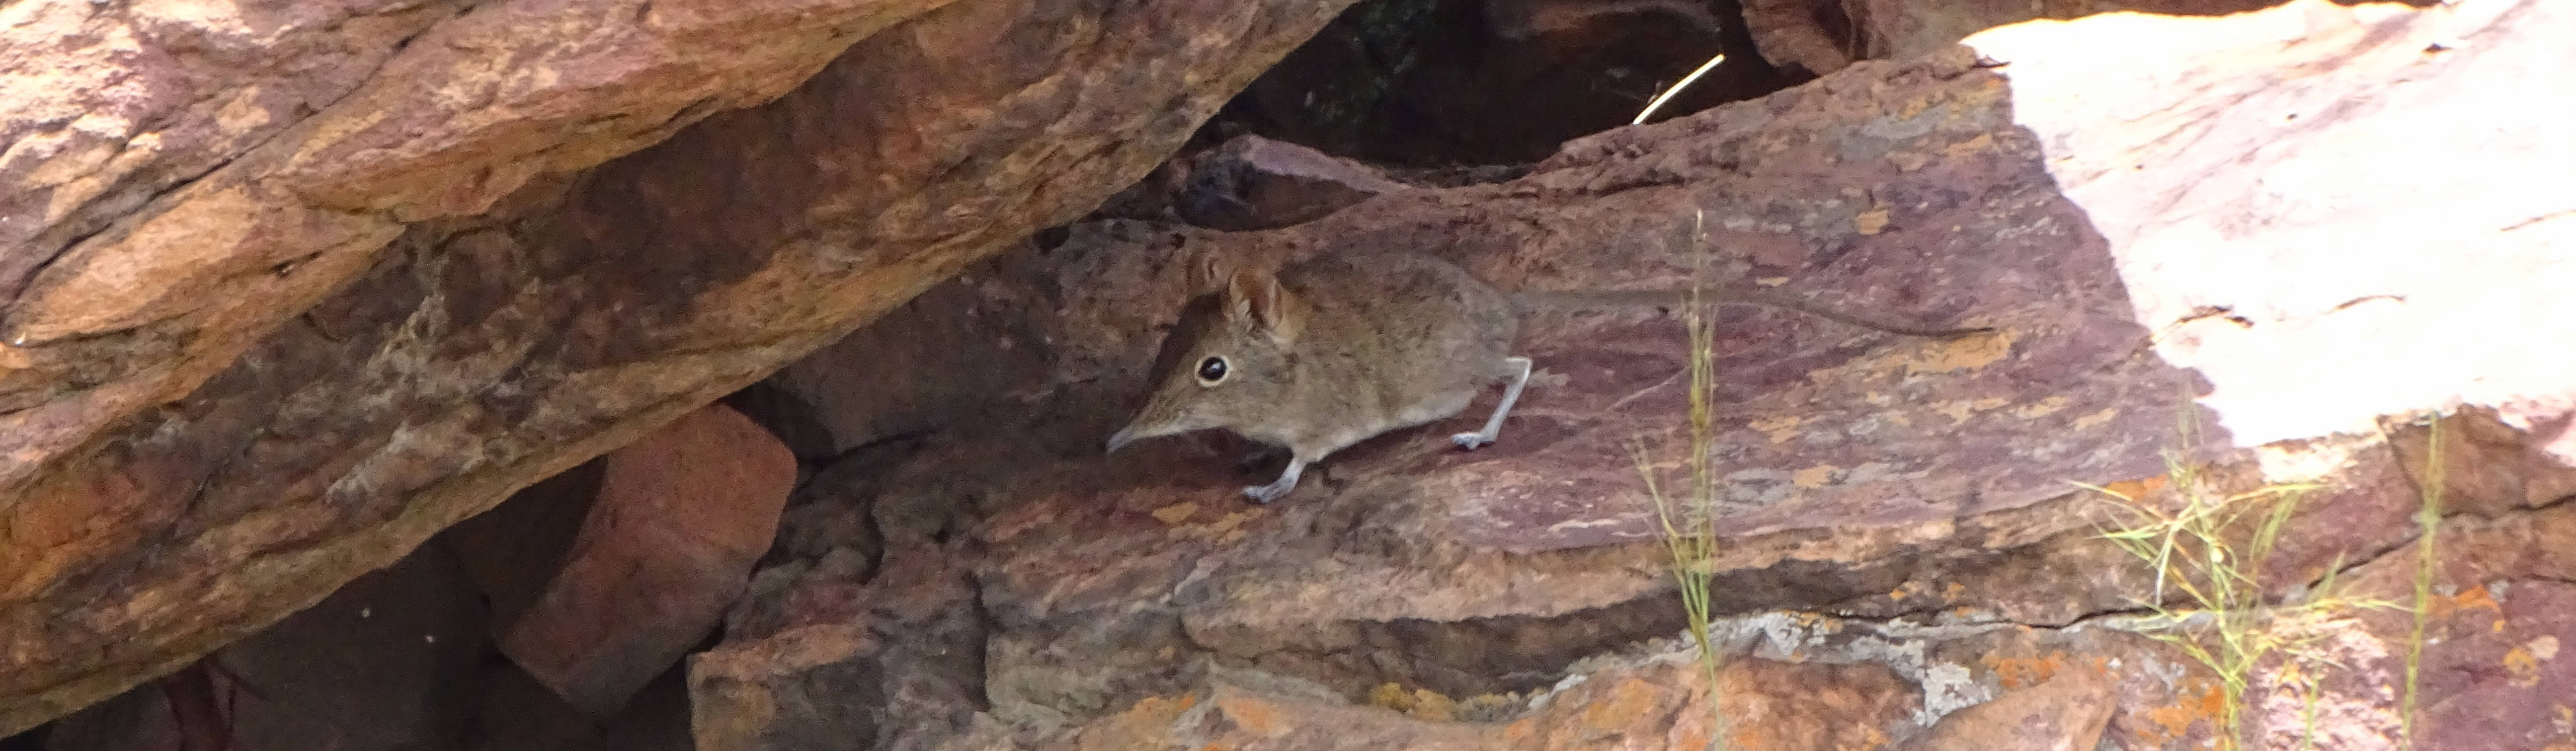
pixel 860 390
pixel 2065 712
pixel 681 516
pixel 1822 38
pixel 1469 575
pixel 223 393
pixel 1437 83
pixel 1254 183
pixel 2400 246
pixel 896 663
pixel 1903 560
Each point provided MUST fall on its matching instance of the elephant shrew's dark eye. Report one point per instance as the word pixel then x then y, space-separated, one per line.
pixel 1211 370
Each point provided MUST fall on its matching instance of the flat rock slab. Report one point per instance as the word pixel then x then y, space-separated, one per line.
pixel 2298 238
pixel 1916 491
pixel 1838 445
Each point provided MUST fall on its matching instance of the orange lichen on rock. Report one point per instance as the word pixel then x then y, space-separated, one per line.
pixel 2473 598
pixel 1254 715
pixel 2017 672
pixel 2174 721
pixel 1420 703
pixel 1145 724
pixel 1175 514
pixel 1619 707
pixel 2138 488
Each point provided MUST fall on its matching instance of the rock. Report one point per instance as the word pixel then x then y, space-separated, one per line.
pixel 2517 466
pixel 2064 713
pixel 1806 37
pixel 680 518
pixel 897 666
pixel 1648 702
pixel 1816 39
pixel 109 108
pixel 1256 183
pixel 811 682
pixel 391 661
pixel 864 389
pixel 513 551
pixel 786 415
pixel 1901 563
pixel 230 389
pixel 1110 582
pixel 1521 19
pixel 2244 201
pixel 1422 83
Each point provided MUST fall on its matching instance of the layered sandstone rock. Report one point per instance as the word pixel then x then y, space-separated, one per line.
pixel 290 287
pixel 1905 563
pixel 2261 218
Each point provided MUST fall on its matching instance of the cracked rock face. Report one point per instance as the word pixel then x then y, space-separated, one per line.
pixel 1903 563
pixel 263 336
pixel 289 287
